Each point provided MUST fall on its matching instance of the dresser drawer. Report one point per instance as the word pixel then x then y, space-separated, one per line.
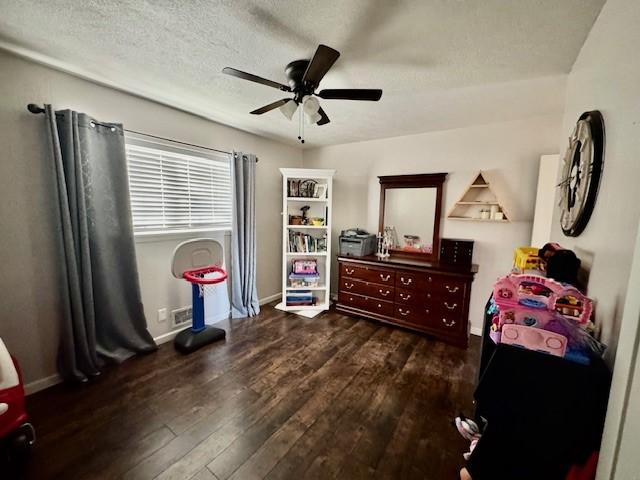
pixel 411 280
pixel 446 323
pixel 412 314
pixel 350 285
pixel 379 276
pixel 361 302
pixel 448 307
pixel 447 287
pixel 409 297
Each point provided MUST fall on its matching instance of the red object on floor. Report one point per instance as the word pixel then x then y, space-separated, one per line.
pixel 586 471
pixel 13 412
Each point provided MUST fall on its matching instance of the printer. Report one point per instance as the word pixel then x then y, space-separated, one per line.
pixel 355 242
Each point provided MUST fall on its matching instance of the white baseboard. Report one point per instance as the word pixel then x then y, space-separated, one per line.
pixel 476 331
pixel 167 337
pixel 38 385
pixel 270 298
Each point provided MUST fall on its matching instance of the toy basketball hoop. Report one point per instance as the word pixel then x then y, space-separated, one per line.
pixel 206 278
pixel 199 262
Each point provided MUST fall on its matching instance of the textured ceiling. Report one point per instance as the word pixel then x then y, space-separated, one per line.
pixel 441 63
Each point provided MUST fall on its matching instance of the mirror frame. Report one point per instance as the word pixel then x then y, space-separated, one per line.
pixel 425 180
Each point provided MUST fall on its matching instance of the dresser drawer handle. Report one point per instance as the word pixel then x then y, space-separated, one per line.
pixel 448 324
pixel 349 272
pixel 452 289
pixel 348 286
pixel 405 296
pixel 429 279
pixel 428 295
pixel 406 282
pixel 426 311
pixel 403 313
pixel 384 294
pixel 379 305
pixel 351 299
pixel 450 307
pixel 385 278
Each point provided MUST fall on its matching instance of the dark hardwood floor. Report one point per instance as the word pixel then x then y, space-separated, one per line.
pixel 284 397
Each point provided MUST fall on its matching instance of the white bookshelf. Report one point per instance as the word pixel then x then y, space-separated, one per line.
pixel 318 208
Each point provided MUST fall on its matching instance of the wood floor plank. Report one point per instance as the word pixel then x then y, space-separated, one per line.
pixel 221 436
pixel 284 397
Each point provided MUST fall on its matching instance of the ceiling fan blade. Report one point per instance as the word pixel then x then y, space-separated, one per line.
pixel 320 64
pixel 351 94
pixel 271 106
pixel 325 119
pixel 254 78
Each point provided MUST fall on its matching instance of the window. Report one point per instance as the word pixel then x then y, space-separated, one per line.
pixel 177 188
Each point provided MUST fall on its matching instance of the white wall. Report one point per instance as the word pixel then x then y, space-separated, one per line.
pixel 508 153
pixel 545 200
pixel 29 304
pixel 606 76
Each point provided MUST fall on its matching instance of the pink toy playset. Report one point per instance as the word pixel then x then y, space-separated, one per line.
pixel 534 339
pixel 532 300
pixel 542 314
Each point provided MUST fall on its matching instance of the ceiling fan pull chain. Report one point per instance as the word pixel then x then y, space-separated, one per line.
pixel 300 125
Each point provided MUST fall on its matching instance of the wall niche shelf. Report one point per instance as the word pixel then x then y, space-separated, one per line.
pixel 478 196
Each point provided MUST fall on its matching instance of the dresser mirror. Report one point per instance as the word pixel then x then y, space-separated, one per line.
pixel 410 208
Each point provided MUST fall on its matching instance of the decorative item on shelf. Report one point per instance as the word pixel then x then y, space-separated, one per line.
pixel 296 220
pixel 385 242
pixel 304 210
pixel 317 222
pixel 412 243
pixel 301 188
pixel 479 202
pixel 581 172
pixel 320 191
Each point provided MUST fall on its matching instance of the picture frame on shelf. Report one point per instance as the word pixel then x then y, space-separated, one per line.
pixel 320 190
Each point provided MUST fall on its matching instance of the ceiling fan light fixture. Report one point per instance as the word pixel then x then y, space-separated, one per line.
pixel 288 109
pixel 311 108
pixel 313 118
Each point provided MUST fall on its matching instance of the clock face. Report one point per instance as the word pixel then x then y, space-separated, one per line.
pixel 581 173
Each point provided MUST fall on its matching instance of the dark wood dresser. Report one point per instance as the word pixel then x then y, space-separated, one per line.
pixel 429 297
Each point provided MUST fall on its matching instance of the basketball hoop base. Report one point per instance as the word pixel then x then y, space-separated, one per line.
pixel 189 341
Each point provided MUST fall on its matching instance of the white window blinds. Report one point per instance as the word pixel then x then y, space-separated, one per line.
pixel 177 188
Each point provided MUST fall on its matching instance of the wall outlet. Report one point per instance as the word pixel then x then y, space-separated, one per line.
pixel 181 317
pixel 162 315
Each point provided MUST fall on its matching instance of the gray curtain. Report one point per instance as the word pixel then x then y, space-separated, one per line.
pixel 244 296
pixel 103 319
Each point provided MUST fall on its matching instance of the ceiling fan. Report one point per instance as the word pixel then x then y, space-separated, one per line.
pixel 304 77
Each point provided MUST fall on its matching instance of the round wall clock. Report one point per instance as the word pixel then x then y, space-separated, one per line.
pixel 581 172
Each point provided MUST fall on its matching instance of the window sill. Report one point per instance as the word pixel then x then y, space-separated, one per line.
pixel 161 236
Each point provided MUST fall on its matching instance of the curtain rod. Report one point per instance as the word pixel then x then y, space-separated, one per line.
pixel 33 108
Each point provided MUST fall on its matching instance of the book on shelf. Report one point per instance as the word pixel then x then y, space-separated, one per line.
pixel 300 242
